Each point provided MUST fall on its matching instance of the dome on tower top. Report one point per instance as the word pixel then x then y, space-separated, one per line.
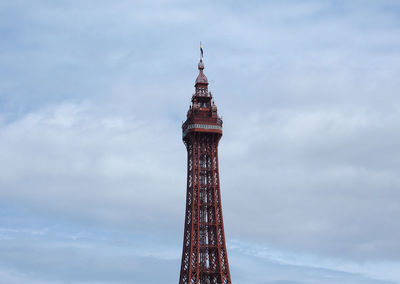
pixel 201 78
pixel 201 65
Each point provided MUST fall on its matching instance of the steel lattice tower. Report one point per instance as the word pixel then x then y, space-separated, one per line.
pixel 204 257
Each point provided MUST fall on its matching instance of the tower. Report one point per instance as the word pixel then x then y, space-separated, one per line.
pixel 204 257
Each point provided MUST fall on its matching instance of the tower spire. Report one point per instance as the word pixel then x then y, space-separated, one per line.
pixel 201 78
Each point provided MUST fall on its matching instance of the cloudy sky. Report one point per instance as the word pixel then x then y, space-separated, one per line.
pixel 93 169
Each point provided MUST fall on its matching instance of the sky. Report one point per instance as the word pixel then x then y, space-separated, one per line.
pixel 93 168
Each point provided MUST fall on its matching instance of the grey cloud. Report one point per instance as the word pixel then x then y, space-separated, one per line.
pixel 325 183
pixel 329 203
pixel 98 259
pixel 252 269
pixel 54 262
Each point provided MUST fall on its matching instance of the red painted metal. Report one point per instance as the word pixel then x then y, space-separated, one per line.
pixel 204 256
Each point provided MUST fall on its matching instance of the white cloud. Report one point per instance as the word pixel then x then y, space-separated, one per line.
pixel 71 161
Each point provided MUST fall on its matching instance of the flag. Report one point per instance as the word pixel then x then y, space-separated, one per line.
pixel 201 50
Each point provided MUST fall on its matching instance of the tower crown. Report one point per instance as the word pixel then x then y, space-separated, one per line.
pixel 202 115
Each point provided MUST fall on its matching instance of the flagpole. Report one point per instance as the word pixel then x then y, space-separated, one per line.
pixel 201 51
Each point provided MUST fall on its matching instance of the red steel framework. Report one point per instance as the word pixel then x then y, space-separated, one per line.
pixel 204 257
